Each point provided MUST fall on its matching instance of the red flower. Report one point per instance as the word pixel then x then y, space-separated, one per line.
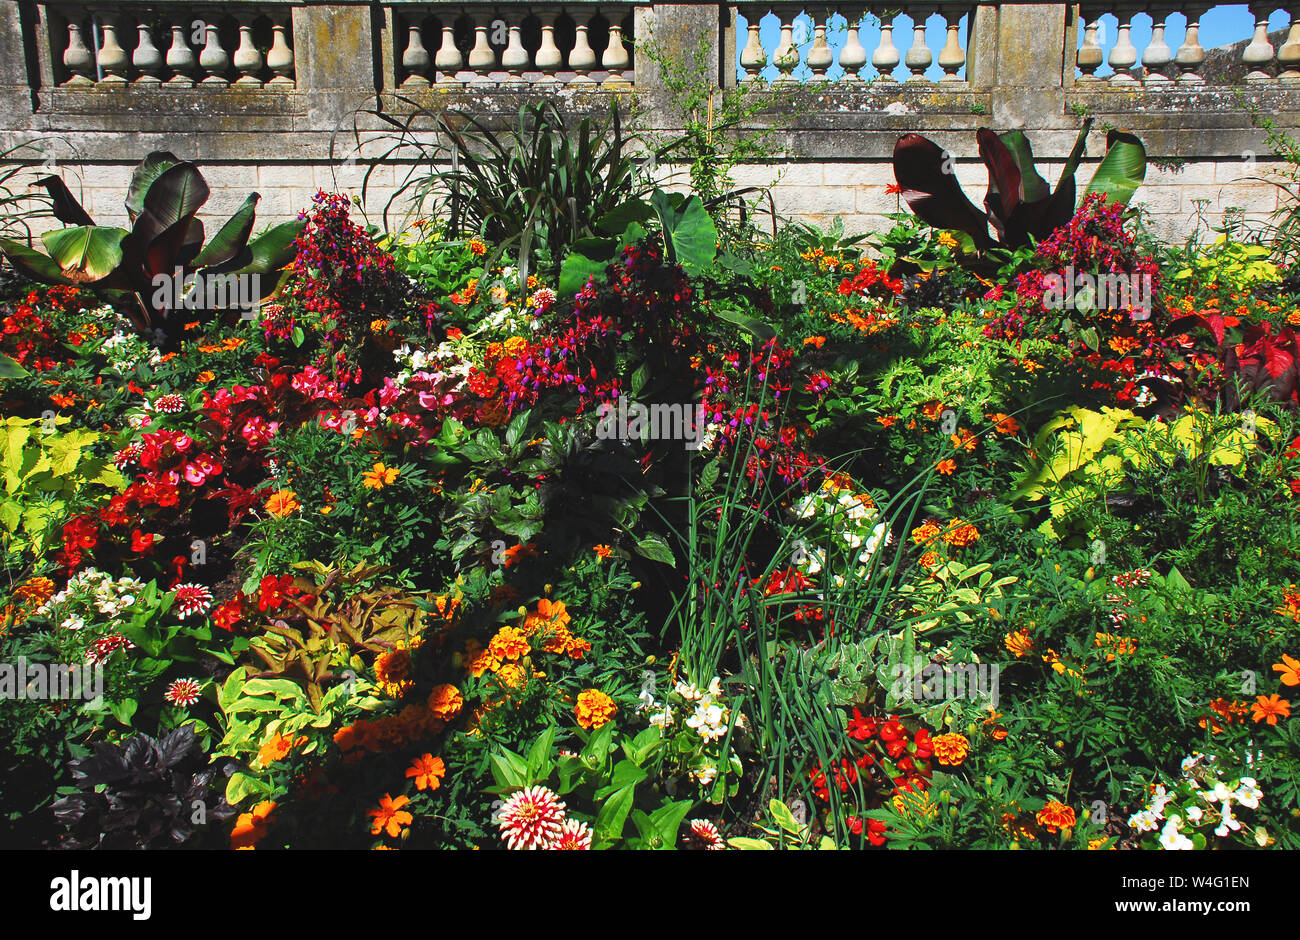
pixel 142 542
pixel 861 729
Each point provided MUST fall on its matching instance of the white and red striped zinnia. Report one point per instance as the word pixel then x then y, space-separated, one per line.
pixel 531 819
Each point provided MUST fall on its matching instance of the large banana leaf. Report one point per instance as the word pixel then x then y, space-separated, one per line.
pixel 933 193
pixel 86 253
pixel 152 167
pixel 1122 170
pixel 230 237
pixel 32 263
pixel 66 208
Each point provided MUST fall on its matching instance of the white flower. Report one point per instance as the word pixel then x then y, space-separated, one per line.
pixel 1248 793
pixel 706 774
pixel 1229 821
pixel 1194 813
pixel 1160 801
pixel 1145 821
pixel 73 623
pixel 688 691
pixel 662 719
pixel 1174 840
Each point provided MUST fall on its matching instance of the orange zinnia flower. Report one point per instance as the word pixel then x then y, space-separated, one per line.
pixel 282 503
pixel 251 828
pixel 277 748
pixel 390 817
pixel 1270 708
pixel 1290 669
pixel 428 772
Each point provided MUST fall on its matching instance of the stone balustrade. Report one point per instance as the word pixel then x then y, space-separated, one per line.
pixel 513 46
pixel 1160 63
pixel 803 50
pixel 168 46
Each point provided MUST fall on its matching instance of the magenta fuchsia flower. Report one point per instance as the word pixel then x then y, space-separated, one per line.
pixel 182 692
pixel 531 819
pixel 192 599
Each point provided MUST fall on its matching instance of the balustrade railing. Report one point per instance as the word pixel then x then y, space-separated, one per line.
pixel 513 46
pixel 824 43
pixel 168 46
pixel 1162 62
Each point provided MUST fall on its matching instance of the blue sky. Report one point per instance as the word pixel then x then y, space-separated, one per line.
pixel 1222 25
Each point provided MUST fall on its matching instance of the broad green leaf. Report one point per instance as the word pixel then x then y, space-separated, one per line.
pixel 1122 169
pixel 36 265
pixel 231 237
pixel 86 253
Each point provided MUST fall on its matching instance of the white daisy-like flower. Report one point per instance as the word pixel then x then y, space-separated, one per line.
pixel 1248 793
pixel 1144 821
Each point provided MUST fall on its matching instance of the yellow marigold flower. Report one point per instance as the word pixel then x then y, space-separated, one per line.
pixel 509 643
pixel 511 675
pixel 947 241
pixel 594 708
pixel 282 503
pixel 445 702
pixel 515 345
pixel 378 326
pixel 206 376
pixel 951 749
pixel 925 533
pixel 380 476
pixel 1019 643
pixel 476 247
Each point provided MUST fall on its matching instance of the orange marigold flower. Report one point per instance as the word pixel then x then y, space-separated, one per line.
pixel 352 736
pixel 576 647
pixel 946 467
pixel 1290 669
pixel 1290 605
pixel 931 409
pixel 390 817
pixel 887 421
pixel 206 376
pixel 380 476
pixel 511 675
pixel 445 702
pixel 594 708
pixel 950 749
pixel 1020 643
pixel 250 828
pixel 1055 816
pixel 1270 708
pixel 479 660
pixel 509 643
pixel 282 503
pixel 550 615
pixel 428 772
pixel 35 591
pixel 964 440
pixel 393 672
pixel 925 533
pixel 960 534
pixel 476 247
pixel 602 551
pixel 1004 424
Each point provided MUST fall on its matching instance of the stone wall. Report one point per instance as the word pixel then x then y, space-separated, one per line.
pixel 830 143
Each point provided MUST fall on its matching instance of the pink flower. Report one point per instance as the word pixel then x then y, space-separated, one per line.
pixel 192 599
pixel 183 692
pixel 574 836
pixel 531 819
pixel 705 835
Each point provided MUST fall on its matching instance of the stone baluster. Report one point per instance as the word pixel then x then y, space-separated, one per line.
pixel 1258 54
pixel 1123 57
pixel 112 57
pixel 1288 57
pixel 615 59
pixel 78 59
pixel 180 58
pixel 213 59
pixel 952 56
pixel 448 60
pixel 514 58
pixel 582 58
pixel 853 56
pixel 146 58
pixel 753 58
pixel 885 59
pixel 1191 54
pixel 415 58
pixel 1157 55
pixel 279 58
pixel 548 59
pixel 247 58
pixel 786 56
pixel 919 57
pixel 820 57
pixel 1089 57
pixel 482 58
